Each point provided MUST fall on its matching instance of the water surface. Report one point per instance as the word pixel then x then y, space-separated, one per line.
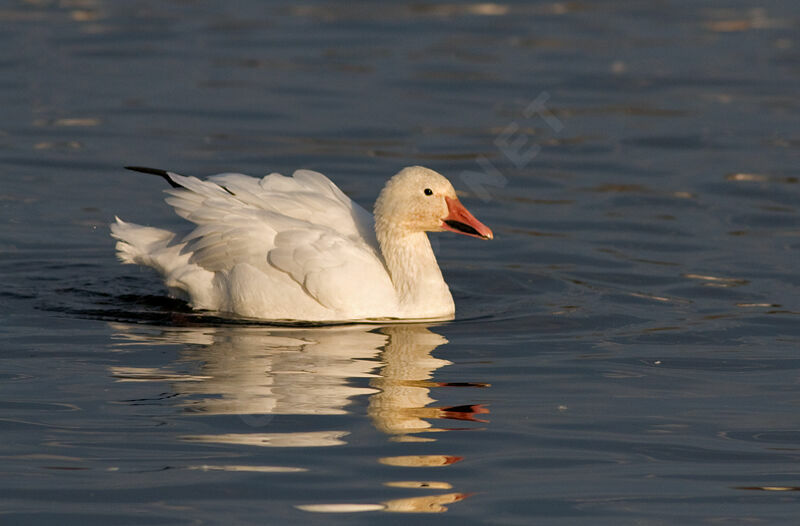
pixel 624 352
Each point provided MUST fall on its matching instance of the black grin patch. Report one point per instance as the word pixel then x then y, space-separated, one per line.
pixel 463 227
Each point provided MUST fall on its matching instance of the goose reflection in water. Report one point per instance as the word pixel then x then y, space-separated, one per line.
pixel 260 372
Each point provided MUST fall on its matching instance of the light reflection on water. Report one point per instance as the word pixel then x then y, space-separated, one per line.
pixel 256 373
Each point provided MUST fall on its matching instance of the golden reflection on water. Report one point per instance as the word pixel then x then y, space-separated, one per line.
pixel 769 488
pixel 248 469
pixel 340 508
pixel 760 178
pixel 717 281
pixel 420 461
pixel 414 10
pixel 736 20
pixel 428 484
pixel 305 439
pixel 426 504
pixel 259 372
pixel 72 122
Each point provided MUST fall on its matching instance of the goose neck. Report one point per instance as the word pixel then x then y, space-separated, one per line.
pixel 413 268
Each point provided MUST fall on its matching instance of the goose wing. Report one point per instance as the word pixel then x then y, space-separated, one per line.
pixel 303 226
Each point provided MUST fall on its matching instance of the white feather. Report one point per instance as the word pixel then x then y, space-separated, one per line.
pixel 290 248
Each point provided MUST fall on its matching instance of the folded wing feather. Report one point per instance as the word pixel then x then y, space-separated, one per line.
pixel 303 226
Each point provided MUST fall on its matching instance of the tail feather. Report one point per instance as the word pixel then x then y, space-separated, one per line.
pixel 142 245
pixel 154 247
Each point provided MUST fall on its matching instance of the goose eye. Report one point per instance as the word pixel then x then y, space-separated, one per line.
pixel 428 191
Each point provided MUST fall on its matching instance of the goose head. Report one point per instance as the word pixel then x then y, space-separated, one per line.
pixel 418 199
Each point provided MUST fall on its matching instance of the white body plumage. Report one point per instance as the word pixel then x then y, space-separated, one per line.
pixel 297 248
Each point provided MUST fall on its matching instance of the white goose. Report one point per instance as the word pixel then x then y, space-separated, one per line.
pixel 297 248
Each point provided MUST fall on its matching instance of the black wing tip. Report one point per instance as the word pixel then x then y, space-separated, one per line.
pixel 146 170
pixel 154 171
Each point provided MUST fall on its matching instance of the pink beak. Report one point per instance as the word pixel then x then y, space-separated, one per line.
pixel 459 220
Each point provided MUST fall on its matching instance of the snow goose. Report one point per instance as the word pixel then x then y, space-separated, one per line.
pixel 297 248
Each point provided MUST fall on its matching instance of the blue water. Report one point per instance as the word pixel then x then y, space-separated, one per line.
pixel 625 351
